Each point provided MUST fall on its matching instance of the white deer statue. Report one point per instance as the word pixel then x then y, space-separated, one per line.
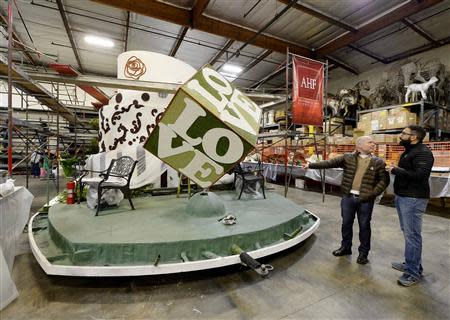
pixel 419 87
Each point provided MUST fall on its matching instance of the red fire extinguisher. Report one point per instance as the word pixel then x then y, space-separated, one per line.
pixel 70 192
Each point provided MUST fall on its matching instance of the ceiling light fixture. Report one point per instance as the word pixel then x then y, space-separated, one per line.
pixel 230 68
pixel 228 75
pixel 99 41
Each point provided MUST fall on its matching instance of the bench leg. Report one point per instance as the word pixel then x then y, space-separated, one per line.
pixel 99 198
pixel 263 185
pixel 81 191
pixel 242 190
pixel 131 202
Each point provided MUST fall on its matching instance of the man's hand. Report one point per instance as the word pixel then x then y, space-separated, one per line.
pixel 305 165
pixel 389 168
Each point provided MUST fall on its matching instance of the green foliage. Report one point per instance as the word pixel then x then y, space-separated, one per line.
pixel 62 196
pixel 94 123
pixel 67 165
pixel 93 148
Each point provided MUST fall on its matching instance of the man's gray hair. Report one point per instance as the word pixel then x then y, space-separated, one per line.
pixel 362 139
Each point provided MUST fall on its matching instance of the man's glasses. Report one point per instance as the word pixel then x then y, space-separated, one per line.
pixel 406 133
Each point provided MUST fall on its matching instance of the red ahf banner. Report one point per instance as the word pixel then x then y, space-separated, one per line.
pixel 307 92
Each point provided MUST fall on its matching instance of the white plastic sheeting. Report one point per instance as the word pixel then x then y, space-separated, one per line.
pixel 7 187
pixel 251 191
pixel 148 169
pixel 112 197
pixel 14 214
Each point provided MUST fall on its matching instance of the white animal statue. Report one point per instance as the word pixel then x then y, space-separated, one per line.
pixel 419 87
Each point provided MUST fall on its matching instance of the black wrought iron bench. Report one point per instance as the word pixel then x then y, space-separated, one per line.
pixel 117 176
pixel 249 177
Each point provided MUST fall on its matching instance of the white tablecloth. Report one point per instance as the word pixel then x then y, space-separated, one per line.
pixel 14 215
pixel 439 186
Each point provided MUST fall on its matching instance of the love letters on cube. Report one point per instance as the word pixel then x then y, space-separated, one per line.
pixel 207 128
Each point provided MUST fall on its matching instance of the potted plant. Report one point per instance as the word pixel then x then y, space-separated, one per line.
pixel 67 163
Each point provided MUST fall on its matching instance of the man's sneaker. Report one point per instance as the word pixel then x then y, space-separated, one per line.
pixel 400 266
pixel 407 281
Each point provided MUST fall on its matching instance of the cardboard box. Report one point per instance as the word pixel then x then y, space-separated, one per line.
pixel 381 120
pixel 385 138
pixel 365 117
pixel 358 133
pixel 391 122
pixel 404 119
pixel 400 118
pixel 343 141
pixel 365 126
pixel 379 138
pixel 398 110
pixel 392 138
pixel 379 124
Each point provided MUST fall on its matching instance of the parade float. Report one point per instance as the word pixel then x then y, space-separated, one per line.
pixel 202 131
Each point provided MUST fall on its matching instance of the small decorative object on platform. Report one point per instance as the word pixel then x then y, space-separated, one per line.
pixel 229 219
pixel 70 192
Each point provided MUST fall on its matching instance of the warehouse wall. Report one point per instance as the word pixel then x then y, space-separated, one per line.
pixel 340 78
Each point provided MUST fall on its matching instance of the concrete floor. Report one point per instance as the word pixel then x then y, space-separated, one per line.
pixel 307 283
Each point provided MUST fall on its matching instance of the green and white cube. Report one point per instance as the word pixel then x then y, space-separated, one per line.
pixel 207 128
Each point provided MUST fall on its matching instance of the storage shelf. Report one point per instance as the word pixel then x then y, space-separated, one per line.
pixel 270 126
pixel 387 131
pixel 401 129
pixel 426 104
pixel 278 134
pixel 419 107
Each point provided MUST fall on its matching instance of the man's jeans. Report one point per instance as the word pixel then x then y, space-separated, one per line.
pixel 351 205
pixel 410 212
pixel 35 170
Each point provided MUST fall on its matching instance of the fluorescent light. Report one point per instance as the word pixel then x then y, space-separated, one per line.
pixel 229 75
pixel 99 41
pixel 230 68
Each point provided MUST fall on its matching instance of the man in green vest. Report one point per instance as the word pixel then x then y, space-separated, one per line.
pixel 364 179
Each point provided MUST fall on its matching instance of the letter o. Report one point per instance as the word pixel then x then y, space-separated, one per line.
pixel 235 146
pixel 223 86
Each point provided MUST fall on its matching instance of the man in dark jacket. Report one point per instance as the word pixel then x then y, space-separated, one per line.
pixel 364 178
pixel 412 192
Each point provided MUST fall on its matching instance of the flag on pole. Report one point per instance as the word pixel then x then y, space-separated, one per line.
pixel 307 91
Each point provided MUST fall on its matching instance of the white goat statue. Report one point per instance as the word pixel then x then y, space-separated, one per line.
pixel 419 87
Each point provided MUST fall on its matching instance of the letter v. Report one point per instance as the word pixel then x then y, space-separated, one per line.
pixel 166 136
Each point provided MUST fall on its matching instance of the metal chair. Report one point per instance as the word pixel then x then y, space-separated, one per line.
pixel 249 177
pixel 117 176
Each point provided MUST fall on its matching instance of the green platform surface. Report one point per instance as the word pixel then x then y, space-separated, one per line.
pixel 160 227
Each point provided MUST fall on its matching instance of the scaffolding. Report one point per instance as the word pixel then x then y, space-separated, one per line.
pixel 289 130
pixel 37 127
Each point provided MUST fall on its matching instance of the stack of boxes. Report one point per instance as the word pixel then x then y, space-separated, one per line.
pixel 364 126
pixel 400 117
pixel 396 118
pixel 379 120
pixel 368 124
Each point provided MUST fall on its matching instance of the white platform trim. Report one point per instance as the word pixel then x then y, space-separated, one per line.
pixel 168 268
